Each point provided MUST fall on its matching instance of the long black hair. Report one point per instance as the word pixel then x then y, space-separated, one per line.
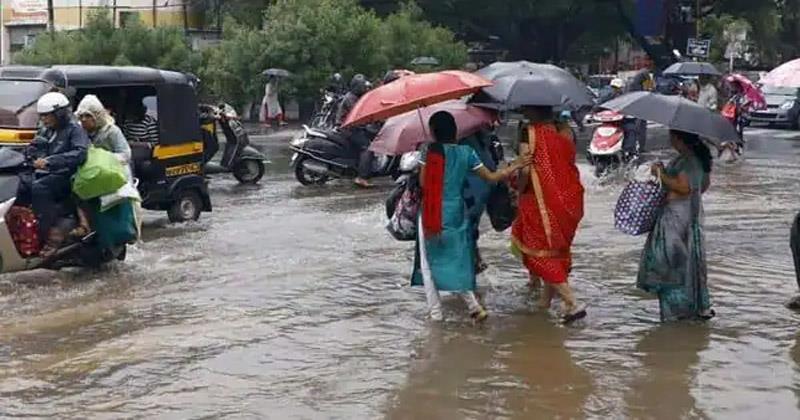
pixel 698 147
pixel 443 127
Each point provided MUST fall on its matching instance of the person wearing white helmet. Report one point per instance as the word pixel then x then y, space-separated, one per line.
pixel 57 152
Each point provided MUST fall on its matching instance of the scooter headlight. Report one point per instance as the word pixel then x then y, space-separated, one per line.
pixel 298 142
pixel 409 161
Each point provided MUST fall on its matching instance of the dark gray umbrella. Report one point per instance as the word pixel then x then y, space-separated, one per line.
pixel 277 73
pixel 692 68
pixel 676 113
pixel 523 83
pixel 425 61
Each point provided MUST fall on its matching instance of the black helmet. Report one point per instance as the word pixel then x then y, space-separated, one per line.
pixel 359 84
pixel 390 76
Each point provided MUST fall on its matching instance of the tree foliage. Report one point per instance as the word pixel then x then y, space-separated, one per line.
pixel 315 38
pixel 102 44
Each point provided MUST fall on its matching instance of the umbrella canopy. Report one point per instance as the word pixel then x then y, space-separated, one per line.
pixel 693 68
pixel 276 73
pixel 676 113
pixel 413 92
pixel 405 132
pixel 523 83
pixel 785 75
pixel 425 61
pixel 750 90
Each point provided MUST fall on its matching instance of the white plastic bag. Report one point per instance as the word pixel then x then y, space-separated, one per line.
pixel 127 192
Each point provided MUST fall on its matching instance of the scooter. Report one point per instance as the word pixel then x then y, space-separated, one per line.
pixel 605 149
pixel 85 252
pixel 320 155
pixel 731 151
pixel 240 158
pixel 325 117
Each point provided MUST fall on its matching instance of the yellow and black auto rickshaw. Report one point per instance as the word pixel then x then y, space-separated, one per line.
pixel 169 168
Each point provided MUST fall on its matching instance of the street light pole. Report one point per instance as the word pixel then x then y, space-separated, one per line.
pixel 697 21
pixel 51 20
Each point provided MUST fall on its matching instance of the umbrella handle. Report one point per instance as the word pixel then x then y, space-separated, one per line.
pixel 424 126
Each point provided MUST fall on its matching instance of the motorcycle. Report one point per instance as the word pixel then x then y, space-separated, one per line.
pixel 325 117
pixel 320 155
pixel 605 149
pixel 240 158
pixel 14 256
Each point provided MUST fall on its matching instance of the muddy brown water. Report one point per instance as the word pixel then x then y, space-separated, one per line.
pixel 290 302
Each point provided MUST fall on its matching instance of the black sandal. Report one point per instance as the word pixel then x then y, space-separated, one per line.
pixel 574 316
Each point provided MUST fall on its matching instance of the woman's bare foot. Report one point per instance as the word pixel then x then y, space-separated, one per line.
pixel 79 232
pixel 363 183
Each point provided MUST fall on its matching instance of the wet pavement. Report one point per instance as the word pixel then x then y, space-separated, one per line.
pixel 290 302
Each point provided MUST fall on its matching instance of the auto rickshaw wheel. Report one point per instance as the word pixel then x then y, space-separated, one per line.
pixel 187 206
pixel 248 171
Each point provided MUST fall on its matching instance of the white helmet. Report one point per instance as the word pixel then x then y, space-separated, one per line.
pixel 51 102
pixel 617 83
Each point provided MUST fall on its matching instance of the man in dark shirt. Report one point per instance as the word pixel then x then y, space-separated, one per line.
pixel 56 153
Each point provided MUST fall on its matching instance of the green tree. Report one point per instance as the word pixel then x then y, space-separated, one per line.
pixel 102 44
pixel 314 39
pixel 407 35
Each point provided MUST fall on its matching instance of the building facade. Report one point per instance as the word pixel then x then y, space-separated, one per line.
pixel 22 20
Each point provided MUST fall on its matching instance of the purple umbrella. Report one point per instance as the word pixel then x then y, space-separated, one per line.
pixel 405 132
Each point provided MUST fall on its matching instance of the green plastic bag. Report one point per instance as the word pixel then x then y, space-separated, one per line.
pixel 101 174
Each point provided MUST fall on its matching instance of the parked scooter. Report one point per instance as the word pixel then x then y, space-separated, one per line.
pixel 325 117
pixel 605 150
pixel 85 252
pixel 239 157
pixel 320 155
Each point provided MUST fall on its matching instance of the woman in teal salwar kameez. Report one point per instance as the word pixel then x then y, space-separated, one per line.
pixel 445 258
pixel 673 263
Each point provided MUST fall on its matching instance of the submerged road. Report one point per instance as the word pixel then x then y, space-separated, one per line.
pixel 290 302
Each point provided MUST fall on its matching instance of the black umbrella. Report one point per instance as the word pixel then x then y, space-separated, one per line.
pixel 676 113
pixel 693 68
pixel 523 83
pixel 425 61
pixel 277 73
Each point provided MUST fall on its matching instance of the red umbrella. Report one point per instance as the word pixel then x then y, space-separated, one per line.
pixel 785 75
pixel 403 133
pixel 750 90
pixel 413 92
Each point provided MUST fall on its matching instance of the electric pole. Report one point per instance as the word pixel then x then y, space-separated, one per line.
pixel 51 19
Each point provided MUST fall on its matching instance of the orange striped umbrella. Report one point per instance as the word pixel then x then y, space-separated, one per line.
pixel 413 92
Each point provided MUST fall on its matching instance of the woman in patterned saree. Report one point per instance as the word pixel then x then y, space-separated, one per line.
pixel 550 208
pixel 673 263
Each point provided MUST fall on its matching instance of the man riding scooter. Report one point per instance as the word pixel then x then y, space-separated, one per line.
pixel 359 137
pixel 57 152
pixel 633 131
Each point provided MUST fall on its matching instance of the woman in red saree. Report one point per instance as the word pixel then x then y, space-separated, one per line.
pixel 550 208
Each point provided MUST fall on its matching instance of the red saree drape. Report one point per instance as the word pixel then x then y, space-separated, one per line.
pixel 550 207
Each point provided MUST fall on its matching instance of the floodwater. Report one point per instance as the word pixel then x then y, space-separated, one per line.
pixel 290 302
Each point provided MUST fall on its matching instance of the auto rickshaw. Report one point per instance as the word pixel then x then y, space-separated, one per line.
pixel 170 168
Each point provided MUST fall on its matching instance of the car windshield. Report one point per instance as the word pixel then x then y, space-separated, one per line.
pixel 18 102
pixel 779 90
